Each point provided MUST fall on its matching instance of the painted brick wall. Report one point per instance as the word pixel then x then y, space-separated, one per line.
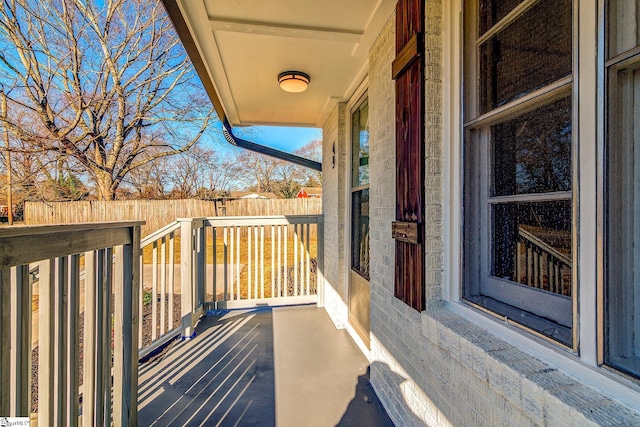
pixel 433 151
pixel 436 368
pixel 333 206
pixel 382 163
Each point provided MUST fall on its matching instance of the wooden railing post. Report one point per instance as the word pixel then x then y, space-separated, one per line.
pixel 5 343
pixel 73 340
pixel 214 284
pixel 201 263
pixel 89 413
pixel 46 343
pixel 127 293
pixel 186 276
pixel 105 273
pixel 60 327
pixel 320 254
pixel 20 341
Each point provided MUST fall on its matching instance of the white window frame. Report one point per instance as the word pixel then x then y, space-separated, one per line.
pixel 353 106
pixel 588 125
pixel 500 290
pixel 624 58
pixel 361 91
pixel 354 100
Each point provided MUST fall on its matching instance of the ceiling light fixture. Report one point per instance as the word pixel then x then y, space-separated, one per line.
pixel 293 81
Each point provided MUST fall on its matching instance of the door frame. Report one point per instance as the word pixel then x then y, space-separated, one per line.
pixel 354 102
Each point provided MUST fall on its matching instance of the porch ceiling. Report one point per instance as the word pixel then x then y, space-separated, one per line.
pixel 239 47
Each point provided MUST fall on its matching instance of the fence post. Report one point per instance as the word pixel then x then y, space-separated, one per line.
pixel 186 276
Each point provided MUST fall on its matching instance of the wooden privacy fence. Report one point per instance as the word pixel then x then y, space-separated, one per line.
pixel 158 213
pixel 269 207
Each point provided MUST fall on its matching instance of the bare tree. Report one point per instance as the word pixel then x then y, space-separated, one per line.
pixel 39 175
pixel 222 176
pixel 107 84
pixel 259 172
pixel 201 173
pixel 313 151
pixel 266 174
pixel 186 173
pixel 150 181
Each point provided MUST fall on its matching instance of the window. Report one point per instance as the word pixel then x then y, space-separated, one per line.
pixel 622 296
pixel 518 156
pixel 360 190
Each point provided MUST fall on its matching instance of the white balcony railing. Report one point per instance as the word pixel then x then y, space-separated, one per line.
pixel 540 265
pixel 225 262
pixel 102 261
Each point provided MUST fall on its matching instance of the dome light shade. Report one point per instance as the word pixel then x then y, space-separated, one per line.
pixel 293 81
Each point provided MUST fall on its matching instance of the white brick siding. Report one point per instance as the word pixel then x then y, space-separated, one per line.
pixel 436 368
pixel 334 132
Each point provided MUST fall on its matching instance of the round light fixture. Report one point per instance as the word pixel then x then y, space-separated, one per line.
pixel 293 81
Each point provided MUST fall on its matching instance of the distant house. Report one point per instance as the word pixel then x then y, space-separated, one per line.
pixel 4 210
pixel 251 195
pixel 310 192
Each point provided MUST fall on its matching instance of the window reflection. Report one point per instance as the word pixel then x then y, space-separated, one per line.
pixel 492 11
pixel 360 147
pixel 360 232
pixel 360 189
pixel 532 153
pixel 532 52
pixel 532 244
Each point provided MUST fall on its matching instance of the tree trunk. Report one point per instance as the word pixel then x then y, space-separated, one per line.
pixel 104 186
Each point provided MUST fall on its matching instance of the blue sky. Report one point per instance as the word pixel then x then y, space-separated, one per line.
pixel 286 139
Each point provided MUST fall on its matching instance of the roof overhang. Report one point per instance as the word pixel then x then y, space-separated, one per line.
pixel 240 47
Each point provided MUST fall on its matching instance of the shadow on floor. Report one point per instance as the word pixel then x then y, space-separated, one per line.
pixel 224 376
pixel 365 409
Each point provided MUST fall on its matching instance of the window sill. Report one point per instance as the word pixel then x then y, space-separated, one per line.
pixel 474 335
pixel 547 329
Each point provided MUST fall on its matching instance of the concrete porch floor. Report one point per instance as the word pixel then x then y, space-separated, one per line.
pixel 284 366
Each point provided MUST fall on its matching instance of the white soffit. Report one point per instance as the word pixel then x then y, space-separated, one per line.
pixel 245 44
